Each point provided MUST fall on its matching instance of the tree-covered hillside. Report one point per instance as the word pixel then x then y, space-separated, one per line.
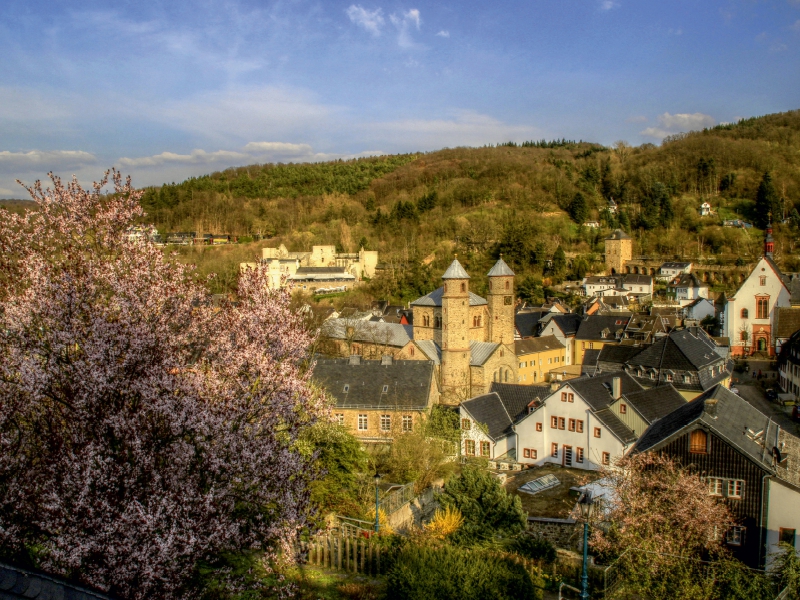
pixel 526 201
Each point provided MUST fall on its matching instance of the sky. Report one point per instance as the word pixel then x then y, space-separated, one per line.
pixel 171 89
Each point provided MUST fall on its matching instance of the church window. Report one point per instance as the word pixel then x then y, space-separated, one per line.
pixel 463 287
pixel 745 313
pixel 762 308
pixel 508 284
pixel 763 280
pixel 411 351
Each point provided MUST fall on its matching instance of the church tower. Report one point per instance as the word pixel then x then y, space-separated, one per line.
pixel 501 303
pixel 769 241
pixel 455 338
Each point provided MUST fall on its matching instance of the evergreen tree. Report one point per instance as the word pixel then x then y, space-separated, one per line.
pixel 579 209
pixel 559 260
pixel 607 181
pixel 624 220
pixel 767 201
pixel 364 243
pixel 489 511
pixel 428 202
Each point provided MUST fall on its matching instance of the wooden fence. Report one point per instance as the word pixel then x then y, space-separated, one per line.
pixel 355 554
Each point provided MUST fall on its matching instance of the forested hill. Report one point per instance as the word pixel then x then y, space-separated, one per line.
pixel 524 200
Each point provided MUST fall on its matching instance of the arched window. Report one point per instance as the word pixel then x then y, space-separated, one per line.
pixel 426 321
pixel 745 314
pixel 463 287
pixel 698 442
pixel 437 321
pixel 507 375
pixel 508 284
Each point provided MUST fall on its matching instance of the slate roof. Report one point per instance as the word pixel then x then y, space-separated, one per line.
pixel 638 279
pixel 596 391
pixel 527 322
pixel 787 321
pixel 590 358
pixel 489 410
pixel 655 403
pixel 612 422
pixel 500 269
pixel 730 419
pixel 431 349
pixel 568 324
pixel 681 350
pixel 480 352
pixel 537 344
pixel 516 397
pixel 408 382
pixel 612 353
pixel 435 299
pixel 675 265
pixel 794 290
pixel 24 583
pixel 455 271
pixel 592 327
pixel 390 334
pixel 618 235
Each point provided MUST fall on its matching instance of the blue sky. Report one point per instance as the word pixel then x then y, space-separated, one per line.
pixel 165 90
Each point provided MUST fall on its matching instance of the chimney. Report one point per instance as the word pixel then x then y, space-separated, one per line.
pixel 386 359
pixel 355 359
pixel 711 407
pixel 616 388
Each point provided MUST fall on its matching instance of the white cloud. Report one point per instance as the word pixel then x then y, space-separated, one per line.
pixel 608 4
pixel 277 148
pixel 404 24
pixel 196 157
pixel 371 20
pixel 679 122
pixel 44 160
pixel 444 33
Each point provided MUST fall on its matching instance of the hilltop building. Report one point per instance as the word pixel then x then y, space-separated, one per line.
pixel 322 269
pixel 619 250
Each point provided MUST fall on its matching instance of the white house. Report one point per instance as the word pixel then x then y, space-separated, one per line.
pixel 699 309
pixel 750 313
pixel 564 328
pixel 576 426
pixel 671 270
pixel 705 209
pixel 686 288
pixel 638 285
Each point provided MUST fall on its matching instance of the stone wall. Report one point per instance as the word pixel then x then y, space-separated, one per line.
pixel 562 533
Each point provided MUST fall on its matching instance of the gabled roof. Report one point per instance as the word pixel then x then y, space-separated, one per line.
pixel 537 344
pixel 435 299
pixel 455 271
pixel 590 360
pixel 389 334
pixel 596 391
pixel 655 403
pixel 516 397
pixel 527 322
pixel 676 265
pixel 568 324
pixel 431 349
pixel 489 410
pixel 407 382
pixel 620 355
pixel 787 321
pixel 592 327
pixel 500 269
pixel 682 350
pixel 688 280
pixel 612 422
pixel 732 419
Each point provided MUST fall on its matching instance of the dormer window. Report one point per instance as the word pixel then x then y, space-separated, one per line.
pixel 385 388
pixel 346 388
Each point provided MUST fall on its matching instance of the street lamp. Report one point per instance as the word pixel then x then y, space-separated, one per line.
pixel 377 479
pixel 586 504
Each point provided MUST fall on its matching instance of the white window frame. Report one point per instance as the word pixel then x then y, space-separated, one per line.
pixel 363 422
pixel 715 487
pixel 386 422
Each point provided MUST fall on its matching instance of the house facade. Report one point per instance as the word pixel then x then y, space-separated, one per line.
pixel 537 357
pixel 749 318
pixel 748 462
pixel 597 331
pixel 685 288
pixel 378 400
pixel 789 366
pixel 671 270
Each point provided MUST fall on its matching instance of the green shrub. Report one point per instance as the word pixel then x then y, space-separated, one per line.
pixel 454 573
pixel 534 547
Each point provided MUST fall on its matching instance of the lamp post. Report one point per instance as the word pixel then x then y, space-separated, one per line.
pixel 586 505
pixel 377 479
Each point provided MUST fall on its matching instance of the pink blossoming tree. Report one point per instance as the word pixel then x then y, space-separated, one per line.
pixel 143 432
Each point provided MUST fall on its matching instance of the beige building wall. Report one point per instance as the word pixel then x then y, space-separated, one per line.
pixel 618 252
pixel 455 341
pixel 349 417
pixel 581 346
pixel 534 367
pixel 501 310
pixel 501 362
pixel 625 413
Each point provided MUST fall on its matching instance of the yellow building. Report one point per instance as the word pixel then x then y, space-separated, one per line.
pixel 596 331
pixel 537 357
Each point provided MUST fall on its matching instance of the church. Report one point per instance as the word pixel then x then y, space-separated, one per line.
pixel 469 338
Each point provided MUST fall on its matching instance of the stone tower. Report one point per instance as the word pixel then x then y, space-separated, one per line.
pixel 501 303
pixel 455 341
pixel 619 250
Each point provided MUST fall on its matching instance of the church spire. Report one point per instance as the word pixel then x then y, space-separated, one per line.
pixel 769 242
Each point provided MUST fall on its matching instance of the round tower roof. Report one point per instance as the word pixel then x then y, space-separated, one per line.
pixel 455 271
pixel 500 269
